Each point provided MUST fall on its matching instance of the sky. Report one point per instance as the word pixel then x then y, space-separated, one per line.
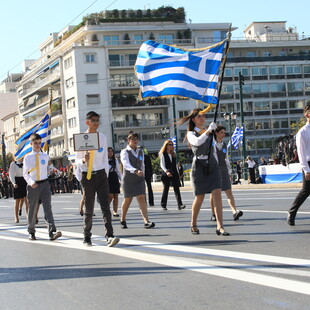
pixel 24 25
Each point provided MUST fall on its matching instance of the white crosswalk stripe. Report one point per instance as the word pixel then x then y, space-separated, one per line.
pixel 202 260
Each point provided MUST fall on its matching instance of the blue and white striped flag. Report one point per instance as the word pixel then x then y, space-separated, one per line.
pixel 174 141
pixel 236 138
pixel 163 70
pixel 42 128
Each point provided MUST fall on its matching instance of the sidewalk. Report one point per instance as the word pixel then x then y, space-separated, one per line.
pixel 158 187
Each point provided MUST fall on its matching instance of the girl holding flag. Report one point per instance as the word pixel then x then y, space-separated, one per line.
pixel 206 177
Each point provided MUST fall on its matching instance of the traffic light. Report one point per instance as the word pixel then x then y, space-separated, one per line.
pixel 241 79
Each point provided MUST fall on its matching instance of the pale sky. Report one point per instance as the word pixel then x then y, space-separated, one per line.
pixel 24 25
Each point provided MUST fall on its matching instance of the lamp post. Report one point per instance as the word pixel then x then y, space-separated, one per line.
pixel 165 131
pixel 241 83
pixel 230 117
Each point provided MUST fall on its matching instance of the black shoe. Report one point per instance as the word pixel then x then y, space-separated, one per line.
pixel 87 241
pixel 151 205
pixel 222 232
pixel 181 207
pixel 20 212
pixel 291 219
pixel 81 212
pixel 237 215
pixel 164 208
pixel 213 218
pixel 32 237
pixel 37 221
pixel 195 230
pixel 55 235
pixel 124 225
pixel 149 225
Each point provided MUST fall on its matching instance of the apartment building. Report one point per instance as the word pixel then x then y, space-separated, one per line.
pixel 91 67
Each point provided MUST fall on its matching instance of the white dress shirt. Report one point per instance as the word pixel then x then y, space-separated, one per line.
pixel 100 158
pixel 125 159
pixel 29 171
pixel 117 169
pixel 303 147
pixel 15 171
pixel 163 163
pixel 251 163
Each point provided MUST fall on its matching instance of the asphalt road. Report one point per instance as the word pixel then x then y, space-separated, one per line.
pixel 264 264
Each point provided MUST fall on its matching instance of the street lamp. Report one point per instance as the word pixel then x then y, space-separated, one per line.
pixel 230 117
pixel 165 131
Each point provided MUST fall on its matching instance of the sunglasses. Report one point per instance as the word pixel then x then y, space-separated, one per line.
pixel 170 144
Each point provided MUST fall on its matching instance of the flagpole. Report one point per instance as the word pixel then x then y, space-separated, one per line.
pixel 222 73
pixel 219 91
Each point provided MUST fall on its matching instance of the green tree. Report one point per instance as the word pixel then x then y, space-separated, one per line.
pixel 296 126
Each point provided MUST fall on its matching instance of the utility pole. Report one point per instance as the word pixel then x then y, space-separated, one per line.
pixel 241 83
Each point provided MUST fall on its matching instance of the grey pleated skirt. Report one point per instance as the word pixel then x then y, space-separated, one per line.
pixel 133 185
pixel 226 184
pixel 202 183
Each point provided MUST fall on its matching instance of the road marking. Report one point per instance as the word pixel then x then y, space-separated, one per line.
pixel 129 248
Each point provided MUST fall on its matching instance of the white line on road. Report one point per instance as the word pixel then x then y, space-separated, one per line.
pixel 177 262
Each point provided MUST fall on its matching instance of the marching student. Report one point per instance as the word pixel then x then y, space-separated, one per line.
pixel 19 187
pixel 133 182
pixel 225 169
pixel 170 174
pixel 35 172
pixel 96 182
pixel 114 178
pixel 303 149
pixel 206 177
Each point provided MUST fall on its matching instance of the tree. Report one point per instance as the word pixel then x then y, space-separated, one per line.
pixel 296 126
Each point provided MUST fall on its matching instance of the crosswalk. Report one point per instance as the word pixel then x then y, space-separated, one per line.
pixel 284 273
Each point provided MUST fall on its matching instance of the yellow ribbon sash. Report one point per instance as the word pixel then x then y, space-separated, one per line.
pixel 90 165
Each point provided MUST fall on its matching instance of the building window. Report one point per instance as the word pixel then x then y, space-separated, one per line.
pixel 90 58
pixel 68 62
pixel 261 105
pixel 219 36
pixel 91 78
pixel 183 113
pixel 69 82
pixel 228 72
pixel 244 71
pixel 251 54
pixel 71 103
pixel 275 70
pixel 166 38
pixel 293 69
pixel 267 53
pixel 307 69
pixel 93 99
pixel 138 38
pixel 111 40
pixel 71 142
pixel 259 71
pixel 295 88
pixel 72 122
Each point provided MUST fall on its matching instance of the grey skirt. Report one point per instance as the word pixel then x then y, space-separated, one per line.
pixel 202 183
pixel 226 184
pixel 133 185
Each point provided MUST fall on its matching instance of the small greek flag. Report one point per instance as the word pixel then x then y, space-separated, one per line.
pixel 236 138
pixel 174 140
pixel 42 128
pixel 163 70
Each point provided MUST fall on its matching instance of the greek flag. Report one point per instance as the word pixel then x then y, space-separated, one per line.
pixel 174 141
pixel 42 128
pixel 163 70
pixel 236 137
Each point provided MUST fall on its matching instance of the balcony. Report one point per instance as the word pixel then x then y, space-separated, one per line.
pixel 130 101
pixel 139 123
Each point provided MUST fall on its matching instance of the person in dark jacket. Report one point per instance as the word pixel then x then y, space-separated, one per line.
pixel 170 174
pixel 148 178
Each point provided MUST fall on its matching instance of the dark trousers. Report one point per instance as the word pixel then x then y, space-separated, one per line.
pixel 97 184
pixel 43 193
pixel 301 197
pixel 176 188
pixel 150 192
pixel 252 175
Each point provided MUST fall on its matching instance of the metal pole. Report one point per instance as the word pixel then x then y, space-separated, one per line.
pixel 112 131
pixel 175 127
pixel 241 83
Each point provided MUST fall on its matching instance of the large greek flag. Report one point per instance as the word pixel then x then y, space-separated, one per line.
pixel 163 70
pixel 236 138
pixel 42 128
